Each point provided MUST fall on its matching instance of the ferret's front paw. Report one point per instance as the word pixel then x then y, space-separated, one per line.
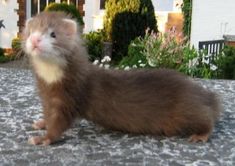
pixel 40 124
pixel 38 140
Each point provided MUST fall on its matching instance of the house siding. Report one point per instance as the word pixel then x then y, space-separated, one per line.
pixel 211 20
pixel 8 13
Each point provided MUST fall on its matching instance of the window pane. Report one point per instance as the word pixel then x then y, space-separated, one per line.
pixel 63 1
pixel 51 1
pixel 73 2
pixel 34 7
pixel 43 4
pixel 102 4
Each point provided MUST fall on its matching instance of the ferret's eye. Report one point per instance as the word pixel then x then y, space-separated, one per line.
pixel 53 35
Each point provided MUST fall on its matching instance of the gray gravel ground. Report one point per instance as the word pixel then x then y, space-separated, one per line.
pixel 87 144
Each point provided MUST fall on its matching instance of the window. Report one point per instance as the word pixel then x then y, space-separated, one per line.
pixel 39 5
pixel 102 4
pixel 74 2
pixel 34 7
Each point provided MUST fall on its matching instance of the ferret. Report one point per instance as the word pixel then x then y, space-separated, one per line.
pixel 159 102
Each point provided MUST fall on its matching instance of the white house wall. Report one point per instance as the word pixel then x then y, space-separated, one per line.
pixel 211 19
pixel 94 16
pixel 10 17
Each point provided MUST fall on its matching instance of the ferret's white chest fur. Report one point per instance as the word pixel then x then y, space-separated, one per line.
pixel 49 72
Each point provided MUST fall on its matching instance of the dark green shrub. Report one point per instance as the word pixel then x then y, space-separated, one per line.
pixel 16 48
pixel 203 67
pixel 94 43
pixel 187 12
pixel 69 9
pixel 16 44
pixel 125 20
pixel 226 63
pixel 163 51
pixel 3 58
pixel 1 51
pixel 135 58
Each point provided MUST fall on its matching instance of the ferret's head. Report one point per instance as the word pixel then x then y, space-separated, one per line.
pixel 50 37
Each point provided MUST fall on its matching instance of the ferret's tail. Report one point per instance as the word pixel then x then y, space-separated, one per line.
pixel 216 105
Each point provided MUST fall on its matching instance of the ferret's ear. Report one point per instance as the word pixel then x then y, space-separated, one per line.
pixel 28 22
pixel 27 28
pixel 70 27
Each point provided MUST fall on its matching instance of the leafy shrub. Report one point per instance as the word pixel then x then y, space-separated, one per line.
pixel 203 67
pixel 114 7
pixel 135 58
pixel 16 44
pixel 160 51
pixel 3 58
pixel 94 43
pixel 16 48
pixel 164 51
pixel 226 63
pixel 69 9
pixel 187 12
pixel 1 51
pixel 125 20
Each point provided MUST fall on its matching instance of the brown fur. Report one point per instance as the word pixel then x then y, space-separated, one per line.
pixel 143 101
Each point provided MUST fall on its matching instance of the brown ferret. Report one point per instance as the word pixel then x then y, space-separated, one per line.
pixel 142 101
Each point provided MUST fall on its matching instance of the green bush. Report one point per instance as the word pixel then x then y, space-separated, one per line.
pixel 135 58
pixel 69 9
pixel 164 51
pixel 202 67
pixel 226 63
pixel 1 51
pixel 16 44
pixel 160 51
pixel 94 43
pixel 3 58
pixel 187 12
pixel 125 20
pixel 16 48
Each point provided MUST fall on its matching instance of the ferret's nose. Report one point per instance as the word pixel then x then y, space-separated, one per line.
pixel 35 39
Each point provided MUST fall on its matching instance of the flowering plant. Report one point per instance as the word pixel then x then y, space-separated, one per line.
pixel 169 50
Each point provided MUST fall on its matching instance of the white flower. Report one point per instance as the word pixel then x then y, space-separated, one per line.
pixel 134 66
pixel 151 63
pixel 213 67
pixel 106 59
pixel 127 68
pixel 96 62
pixel 106 66
pixel 139 61
pixel 142 65
pixel 133 44
pixel 206 60
pixel 193 62
pixel 101 65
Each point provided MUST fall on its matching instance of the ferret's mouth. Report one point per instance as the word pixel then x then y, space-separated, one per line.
pixel 36 50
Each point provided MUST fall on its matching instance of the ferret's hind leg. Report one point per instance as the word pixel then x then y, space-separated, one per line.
pixel 199 138
pixel 202 131
pixel 40 124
